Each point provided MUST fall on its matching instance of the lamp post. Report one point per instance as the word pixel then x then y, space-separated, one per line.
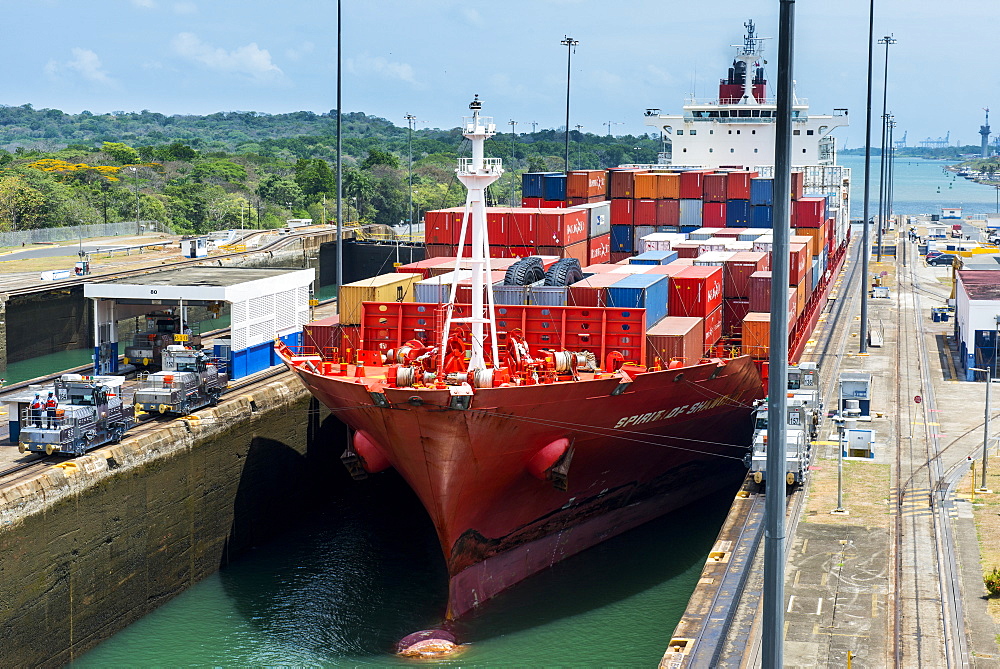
pixel 865 250
pixel 611 123
pixel 513 138
pixel 569 43
pixel 986 424
pixel 579 144
pixel 135 183
pixel 882 205
pixel 340 162
pixel 892 171
pixel 410 120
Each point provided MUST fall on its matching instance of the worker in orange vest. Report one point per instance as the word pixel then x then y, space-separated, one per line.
pixel 50 411
pixel 35 413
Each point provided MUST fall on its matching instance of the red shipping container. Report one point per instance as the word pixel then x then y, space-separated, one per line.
pixel 619 257
pixel 808 212
pixel 713 327
pixel 692 184
pixel 668 212
pixel 521 251
pixel 675 338
pixel 437 228
pixel 687 249
pixel 522 227
pixel 623 182
pixel 531 202
pixel 644 212
pixel 439 250
pixel 798 183
pixel 696 291
pixel 737 270
pixel 599 249
pixel 562 227
pixel 798 263
pixel 321 335
pixel 586 183
pixel 714 188
pixel 738 185
pixel 713 214
pixel 496 225
pixel 590 292
pixel 622 212
pixel 553 204
pixel 733 311
pixel 760 291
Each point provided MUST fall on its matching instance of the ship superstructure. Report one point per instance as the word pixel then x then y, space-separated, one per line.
pixel 737 128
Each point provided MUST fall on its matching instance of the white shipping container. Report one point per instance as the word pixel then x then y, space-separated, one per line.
pixel 763 244
pixel 702 233
pixel 737 245
pixel 714 258
pixel 437 289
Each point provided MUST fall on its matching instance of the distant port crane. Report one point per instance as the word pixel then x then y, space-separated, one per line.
pixel 938 143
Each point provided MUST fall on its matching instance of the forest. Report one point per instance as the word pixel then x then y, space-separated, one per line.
pixel 246 169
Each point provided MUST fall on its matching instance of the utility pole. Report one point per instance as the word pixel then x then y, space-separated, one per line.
pixel 513 138
pixel 579 144
pixel 777 406
pixel 410 119
pixel 340 161
pixel 865 250
pixel 570 45
pixel 135 183
pixel 882 208
pixel 986 424
pixel 611 123
pixel 892 172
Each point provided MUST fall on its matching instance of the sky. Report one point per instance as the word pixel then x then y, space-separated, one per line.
pixel 428 58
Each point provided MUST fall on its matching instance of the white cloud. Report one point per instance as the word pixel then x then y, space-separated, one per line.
pixel 185 8
pixel 379 66
pixel 249 60
pixel 85 63
pixel 299 51
pixel 145 4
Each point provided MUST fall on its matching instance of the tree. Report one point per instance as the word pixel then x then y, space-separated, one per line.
pixel 379 157
pixel 314 176
pixel 359 187
pixel 219 171
pixel 20 205
pixel 279 190
pixel 122 153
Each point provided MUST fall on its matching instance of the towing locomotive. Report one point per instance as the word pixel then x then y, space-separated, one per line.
pixel 89 413
pixel 188 380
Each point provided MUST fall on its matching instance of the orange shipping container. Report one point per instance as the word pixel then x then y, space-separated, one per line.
pixel 675 338
pixel 801 298
pixel 803 239
pixel 817 238
pixel 645 186
pixel 756 335
pixel 668 186
pixel 586 183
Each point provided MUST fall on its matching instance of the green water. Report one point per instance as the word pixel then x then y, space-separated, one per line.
pixel 47 364
pixel 342 588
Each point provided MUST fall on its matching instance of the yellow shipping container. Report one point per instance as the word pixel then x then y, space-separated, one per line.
pixel 645 186
pixel 668 186
pixel 392 287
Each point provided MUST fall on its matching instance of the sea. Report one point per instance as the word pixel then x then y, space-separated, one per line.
pixel 358 573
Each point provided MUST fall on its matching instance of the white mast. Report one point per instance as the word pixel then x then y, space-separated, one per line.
pixel 476 173
pixel 749 53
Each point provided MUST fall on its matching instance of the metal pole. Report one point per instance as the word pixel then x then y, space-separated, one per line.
pixel 840 465
pixel 774 503
pixel 570 43
pixel 865 250
pixel 410 118
pixel 135 182
pixel 340 164
pixel 513 138
pixel 887 40
pixel 892 172
pixel 986 426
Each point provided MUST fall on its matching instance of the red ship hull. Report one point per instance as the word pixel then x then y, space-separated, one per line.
pixel 638 450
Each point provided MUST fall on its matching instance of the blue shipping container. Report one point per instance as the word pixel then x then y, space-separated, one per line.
pixel 532 185
pixel 761 217
pixel 761 191
pixel 554 187
pixel 689 228
pixel 738 214
pixel 641 291
pixel 621 239
pixel 654 258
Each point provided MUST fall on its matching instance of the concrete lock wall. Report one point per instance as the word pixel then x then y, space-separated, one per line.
pixel 47 322
pixel 93 545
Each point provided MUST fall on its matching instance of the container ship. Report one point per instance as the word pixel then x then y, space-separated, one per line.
pixel 554 374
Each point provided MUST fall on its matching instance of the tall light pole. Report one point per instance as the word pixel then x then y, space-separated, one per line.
pixel 774 501
pixel 135 182
pixel 340 162
pixel 892 170
pixel 513 138
pixel 611 123
pixel 865 250
pixel 882 209
pixel 534 126
pixel 410 120
pixel 579 147
pixel 986 425
pixel 570 44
